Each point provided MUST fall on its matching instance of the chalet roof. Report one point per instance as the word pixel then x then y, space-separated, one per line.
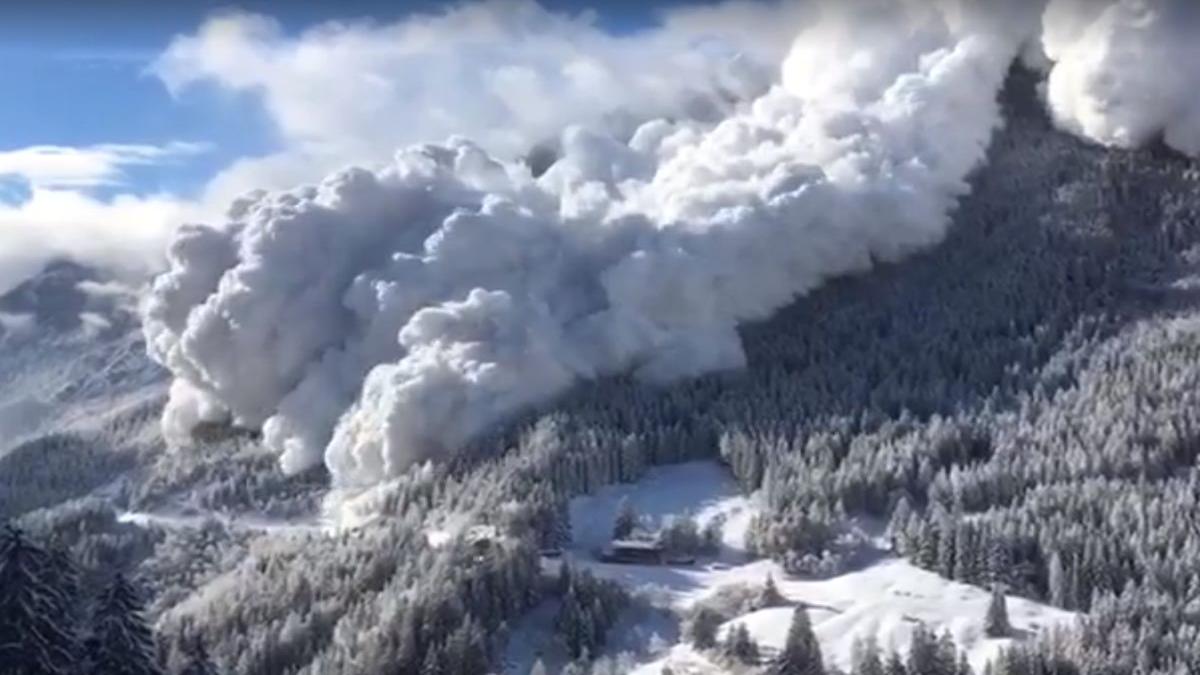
pixel 635 545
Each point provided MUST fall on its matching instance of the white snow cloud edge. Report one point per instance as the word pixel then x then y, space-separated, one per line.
pixel 384 317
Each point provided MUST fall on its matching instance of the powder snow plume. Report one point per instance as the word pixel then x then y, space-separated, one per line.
pixel 1125 72
pixel 384 317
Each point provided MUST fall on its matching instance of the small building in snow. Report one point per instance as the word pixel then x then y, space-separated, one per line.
pixel 634 552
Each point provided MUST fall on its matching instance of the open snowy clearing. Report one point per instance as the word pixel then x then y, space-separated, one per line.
pixel 887 598
pixel 702 489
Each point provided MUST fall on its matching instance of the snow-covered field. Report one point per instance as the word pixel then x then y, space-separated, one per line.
pixel 887 598
pixel 703 489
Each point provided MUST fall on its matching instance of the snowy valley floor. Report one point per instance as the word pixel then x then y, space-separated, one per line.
pixel 886 598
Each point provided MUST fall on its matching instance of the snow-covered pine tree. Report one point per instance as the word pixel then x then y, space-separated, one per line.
pixel 866 658
pixel 560 532
pixel 626 520
pixel 923 652
pixel 965 568
pixel 121 642
pixel 703 628
pixel 898 523
pixel 946 659
pixel 895 665
pixel 434 661
pixel 197 661
pixel 996 622
pixel 1056 580
pixel 801 653
pixel 38 618
pixel 712 534
pixel 999 561
pixel 573 625
pixel 565 578
pixel 466 650
pixel 946 543
pixel 740 646
pixel 769 596
pixel 964 666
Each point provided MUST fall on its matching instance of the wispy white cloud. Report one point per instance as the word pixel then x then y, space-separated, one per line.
pixel 124 233
pixel 57 167
pixel 50 207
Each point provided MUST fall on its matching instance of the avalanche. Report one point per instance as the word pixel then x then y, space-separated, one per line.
pixel 385 317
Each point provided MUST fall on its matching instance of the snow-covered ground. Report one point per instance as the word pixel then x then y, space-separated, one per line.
pixel 702 489
pixel 887 598
pixel 642 633
pixel 246 522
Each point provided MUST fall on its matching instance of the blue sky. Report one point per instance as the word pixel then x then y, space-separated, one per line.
pixel 77 75
pixel 124 119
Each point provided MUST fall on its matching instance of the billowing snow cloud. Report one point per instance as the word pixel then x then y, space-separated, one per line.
pixel 384 317
pixel 1125 71
pixel 508 74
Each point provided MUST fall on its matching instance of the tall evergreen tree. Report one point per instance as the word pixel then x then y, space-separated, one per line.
pixel 866 657
pixel 121 642
pixel 946 543
pixel 740 646
pixel 434 663
pixel 703 629
pixel 895 665
pixel 1057 581
pixel 923 652
pixel 898 523
pixel 946 657
pixel 996 622
pixel 964 560
pixel 565 578
pixel 466 650
pixel 197 661
pixel 769 596
pixel 801 653
pixel 999 561
pixel 964 665
pixel 626 520
pixel 712 534
pixel 575 624
pixel 38 619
